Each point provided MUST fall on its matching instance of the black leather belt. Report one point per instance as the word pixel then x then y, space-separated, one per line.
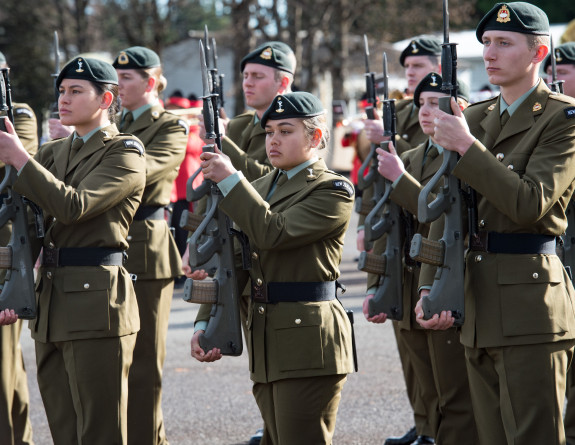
pixel 149 212
pixel 82 256
pixel 294 292
pixel 514 243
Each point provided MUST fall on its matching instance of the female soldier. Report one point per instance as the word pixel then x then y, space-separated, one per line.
pixel 299 336
pixel 89 186
pixel 153 256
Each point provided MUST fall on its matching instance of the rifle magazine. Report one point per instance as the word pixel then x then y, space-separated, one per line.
pixel 190 221
pixel 427 251
pixel 5 257
pixel 201 292
pixel 372 263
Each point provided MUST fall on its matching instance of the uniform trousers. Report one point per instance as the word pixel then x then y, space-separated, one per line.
pixel 569 418
pixel 518 392
pixel 299 410
pixel 15 427
pixel 84 387
pixel 145 418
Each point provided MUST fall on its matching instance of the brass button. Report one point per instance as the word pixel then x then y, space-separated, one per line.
pixel 478 258
pixel 129 238
pixel 405 136
pixel 254 256
pixel 482 223
pixel 410 269
pixel 510 166
pixel 261 310
pixel 49 275
pixel 259 282
pixel 535 275
pixel 499 156
pixel 297 321
pixel 86 285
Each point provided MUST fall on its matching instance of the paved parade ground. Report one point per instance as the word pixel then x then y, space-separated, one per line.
pixel 212 404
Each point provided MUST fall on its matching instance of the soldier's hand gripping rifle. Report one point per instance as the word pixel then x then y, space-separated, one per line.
pixel 555 85
pixel 385 218
pixel 447 254
pixel 214 239
pixel 16 262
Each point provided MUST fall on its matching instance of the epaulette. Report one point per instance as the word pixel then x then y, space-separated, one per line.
pixel 182 123
pixel 132 143
pixel 483 101
pixel 21 110
pixel 561 98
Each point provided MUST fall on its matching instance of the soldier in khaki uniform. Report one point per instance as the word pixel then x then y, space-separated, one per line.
pixel 439 368
pixel 15 426
pixel 419 58
pixel 516 152
pixel 299 336
pixel 89 186
pixel 153 256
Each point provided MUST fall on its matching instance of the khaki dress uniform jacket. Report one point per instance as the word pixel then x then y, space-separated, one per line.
pixel 519 315
pixel 437 357
pixel 85 313
pixel 245 144
pixel 154 259
pixel 15 426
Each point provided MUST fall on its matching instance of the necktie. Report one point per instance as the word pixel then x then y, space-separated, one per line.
pixel 76 145
pixel 431 154
pixel 128 119
pixel 504 117
pixel 282 178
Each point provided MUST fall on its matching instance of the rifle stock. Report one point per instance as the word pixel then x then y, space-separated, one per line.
pixel 17 289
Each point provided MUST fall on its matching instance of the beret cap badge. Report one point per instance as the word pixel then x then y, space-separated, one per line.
pixel 279 109
pixel 558 57
pixel 266 54
pixel 433 82
pixel 414 48
pixel 503 15
pixel 80 69
pixel 123 58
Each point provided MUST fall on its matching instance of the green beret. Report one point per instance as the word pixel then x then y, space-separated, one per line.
pixel 94 70
pixel 299 104
pixel 564 55
pixel 275 54
pixel 136 57
pixel 433 82
pixel 515 17
pixel 2 58
pixel 421 46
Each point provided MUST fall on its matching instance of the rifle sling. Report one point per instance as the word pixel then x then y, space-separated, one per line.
pixel 514 243
pixel 82 256
pixel 293 292
pixel 149 212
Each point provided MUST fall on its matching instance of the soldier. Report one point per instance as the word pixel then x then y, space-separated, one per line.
pixel 15 426
pixel 516 152
pixel 267 71
pixel 295 218
pixel 89 186
pixel 565 59
pixel 419 58
pixel 153 255
pixel 439 368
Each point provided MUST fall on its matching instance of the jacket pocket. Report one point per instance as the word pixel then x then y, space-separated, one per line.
pixel 298 336
pixel 138 238
pixel 533 296
pixel 87 301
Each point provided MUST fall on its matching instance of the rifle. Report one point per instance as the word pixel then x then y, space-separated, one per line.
pixel 385 218
pixel 448 253
pixel 555 85
pixel 213 239
pixel 17 290
pixel 54 106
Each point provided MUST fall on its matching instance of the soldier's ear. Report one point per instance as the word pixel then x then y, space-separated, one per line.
pixel 316 137
pixel 284 86
pixel 540 53
pixel 107 99
pixel 152 81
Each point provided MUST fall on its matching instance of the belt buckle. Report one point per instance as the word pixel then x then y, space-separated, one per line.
pixel 50 257
pixel 259 293
pixel 480 241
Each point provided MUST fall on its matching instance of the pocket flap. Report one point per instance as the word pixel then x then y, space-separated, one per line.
pixel 520 269
pixel 80 282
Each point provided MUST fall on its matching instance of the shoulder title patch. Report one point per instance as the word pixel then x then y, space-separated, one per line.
pixel 25 111
pixel 570 112
pixel 131 143
pixel 340 184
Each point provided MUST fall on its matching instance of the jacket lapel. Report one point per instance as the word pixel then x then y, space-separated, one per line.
pixel 299 181
pixel 95 143
pixel 61 158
